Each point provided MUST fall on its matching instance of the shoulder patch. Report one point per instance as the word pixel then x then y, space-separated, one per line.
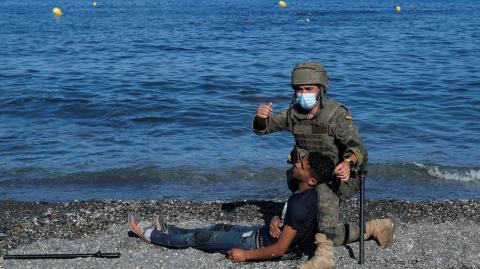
pixel 348 117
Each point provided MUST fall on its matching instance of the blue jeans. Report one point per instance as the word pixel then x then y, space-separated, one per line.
pixel 216 238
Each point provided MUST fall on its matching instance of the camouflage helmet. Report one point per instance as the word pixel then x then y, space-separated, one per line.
pixel 309 73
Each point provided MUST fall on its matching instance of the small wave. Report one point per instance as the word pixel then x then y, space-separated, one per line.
pixel 421 172
pixel 128 176
pixel 463 174
pixel 470 175
pixel 396 172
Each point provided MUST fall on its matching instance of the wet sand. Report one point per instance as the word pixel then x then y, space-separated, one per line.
pixel 444 234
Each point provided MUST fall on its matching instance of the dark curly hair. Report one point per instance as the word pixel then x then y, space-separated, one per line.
pixel 321 166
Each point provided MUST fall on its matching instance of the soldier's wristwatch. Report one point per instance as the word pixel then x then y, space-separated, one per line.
pixel 351 163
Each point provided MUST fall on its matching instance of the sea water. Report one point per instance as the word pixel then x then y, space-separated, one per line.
pixel 154 99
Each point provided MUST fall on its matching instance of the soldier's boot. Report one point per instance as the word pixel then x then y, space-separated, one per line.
pixel 323 257
pixel 382 230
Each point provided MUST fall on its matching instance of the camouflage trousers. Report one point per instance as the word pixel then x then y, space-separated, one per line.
pixel 329 196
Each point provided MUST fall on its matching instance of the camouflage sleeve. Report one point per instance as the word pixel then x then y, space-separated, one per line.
pixel 346 133
pixel 275 123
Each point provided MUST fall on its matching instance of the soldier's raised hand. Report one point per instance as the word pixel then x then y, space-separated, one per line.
pixel 264 110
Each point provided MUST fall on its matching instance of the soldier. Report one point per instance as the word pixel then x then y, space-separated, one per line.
pixel 320 124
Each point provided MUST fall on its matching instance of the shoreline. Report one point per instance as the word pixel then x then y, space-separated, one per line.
pixel 438 230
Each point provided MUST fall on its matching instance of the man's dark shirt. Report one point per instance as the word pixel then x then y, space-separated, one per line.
pixel 301 215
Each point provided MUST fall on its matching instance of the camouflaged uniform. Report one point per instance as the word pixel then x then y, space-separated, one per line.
pixel 330 132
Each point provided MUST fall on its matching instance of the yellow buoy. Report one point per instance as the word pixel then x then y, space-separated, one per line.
pixel 282 3
pixel 398 9
pixel 94 4
pixel 57 11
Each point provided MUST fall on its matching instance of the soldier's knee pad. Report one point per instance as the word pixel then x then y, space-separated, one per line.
pixel 330 233
pixel 337 236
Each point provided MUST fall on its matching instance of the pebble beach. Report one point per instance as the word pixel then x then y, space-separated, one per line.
pixel 434 234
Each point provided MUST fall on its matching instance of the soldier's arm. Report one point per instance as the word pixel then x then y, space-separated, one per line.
pixel 346 133
pixel 275 123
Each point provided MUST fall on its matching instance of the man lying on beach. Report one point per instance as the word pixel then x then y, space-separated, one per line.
pixel 289 236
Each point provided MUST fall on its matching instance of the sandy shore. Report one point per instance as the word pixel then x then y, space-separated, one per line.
pixel 429 234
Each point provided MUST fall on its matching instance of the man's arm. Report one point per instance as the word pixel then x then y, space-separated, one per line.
pixel 273 251
pixel 264 123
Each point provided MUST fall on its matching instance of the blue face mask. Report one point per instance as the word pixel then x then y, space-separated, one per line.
pixel 307 100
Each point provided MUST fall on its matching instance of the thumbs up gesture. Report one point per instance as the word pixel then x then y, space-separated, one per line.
pixel 264 110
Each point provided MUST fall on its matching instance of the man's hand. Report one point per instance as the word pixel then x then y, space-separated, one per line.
pixel 264 110
pixel 275 227
pixel 237 254
pixel 342 171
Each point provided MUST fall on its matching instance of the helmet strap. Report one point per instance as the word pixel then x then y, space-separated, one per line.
pixel 294 99
pixel 321 94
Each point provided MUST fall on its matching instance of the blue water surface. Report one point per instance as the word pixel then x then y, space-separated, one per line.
pixel 154 99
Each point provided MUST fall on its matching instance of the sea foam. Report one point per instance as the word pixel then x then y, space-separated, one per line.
pixel 470 175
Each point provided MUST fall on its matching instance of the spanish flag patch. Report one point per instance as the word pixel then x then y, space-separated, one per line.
pixel 348 117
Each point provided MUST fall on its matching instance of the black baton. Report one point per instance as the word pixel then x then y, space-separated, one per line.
pixel 97 254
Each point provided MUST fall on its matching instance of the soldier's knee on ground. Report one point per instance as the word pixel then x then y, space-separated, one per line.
pixel 334 234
